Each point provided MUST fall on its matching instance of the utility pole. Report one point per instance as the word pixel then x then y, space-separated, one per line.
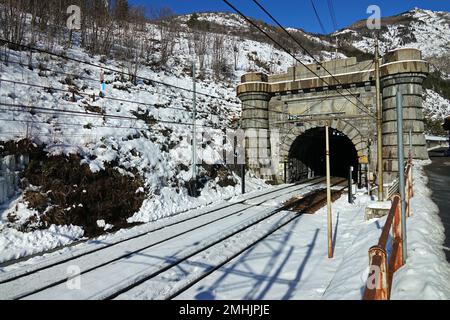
pixel 336 52
pixel 401 168
pixel 329 217
pixel 194 131
pixel 379 122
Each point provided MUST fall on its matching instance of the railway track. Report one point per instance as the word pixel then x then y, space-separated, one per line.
pixel 114 260
pixel 175 220
pixel 306 204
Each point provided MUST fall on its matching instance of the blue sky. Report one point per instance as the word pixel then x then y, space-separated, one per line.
pixel 299 13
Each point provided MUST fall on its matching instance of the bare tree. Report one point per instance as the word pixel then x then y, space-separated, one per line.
pixel 236 44
pixel 218 62
pixel 200 40
pixel 163 18
pixel 13 20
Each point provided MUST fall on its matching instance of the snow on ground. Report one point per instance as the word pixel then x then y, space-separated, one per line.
pixel 293 263
pixel 290 264
pixel 15 243
pixel 426 274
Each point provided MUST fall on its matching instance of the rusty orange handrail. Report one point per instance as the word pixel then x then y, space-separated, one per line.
pixel 381 272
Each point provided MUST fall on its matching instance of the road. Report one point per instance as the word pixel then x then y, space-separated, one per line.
pixel 439 182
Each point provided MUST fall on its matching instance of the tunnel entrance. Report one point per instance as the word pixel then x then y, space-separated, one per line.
pixel 307 155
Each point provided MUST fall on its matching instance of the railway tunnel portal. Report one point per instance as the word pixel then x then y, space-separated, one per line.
pixel 288 113
pixel 307 155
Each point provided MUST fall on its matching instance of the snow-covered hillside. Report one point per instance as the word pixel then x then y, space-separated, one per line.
pixel 436 107
pixel 426 30
pixel 140 130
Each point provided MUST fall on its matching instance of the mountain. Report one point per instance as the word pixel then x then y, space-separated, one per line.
pixel 426 30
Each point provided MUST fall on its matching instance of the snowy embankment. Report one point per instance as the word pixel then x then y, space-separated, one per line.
pixel 426 273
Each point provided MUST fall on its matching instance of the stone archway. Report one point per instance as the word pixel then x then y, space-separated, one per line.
pixel 343 126
pixel 307 155
pixel 356 141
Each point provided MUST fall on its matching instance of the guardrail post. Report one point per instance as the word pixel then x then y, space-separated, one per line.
pixel 407 191
pixel 397 231
pixel 380 291
pixel 411 178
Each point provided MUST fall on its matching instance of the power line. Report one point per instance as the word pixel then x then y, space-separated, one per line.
pixel 86 94
pixel 42 110
pixel 332 14
pixel 105 97
pixel 318 17
pixel 30 65
pixel 89 95
pixel 111 98
pixel 105 68
pixel 301 46
pixel 292 55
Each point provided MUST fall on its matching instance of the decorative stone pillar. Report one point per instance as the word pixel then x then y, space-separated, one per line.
pixel 255 96
pixel 402 70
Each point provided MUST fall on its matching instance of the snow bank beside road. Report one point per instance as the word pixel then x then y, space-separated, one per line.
pixel 426 274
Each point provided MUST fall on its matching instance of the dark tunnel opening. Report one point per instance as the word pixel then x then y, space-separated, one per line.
pixel 307 155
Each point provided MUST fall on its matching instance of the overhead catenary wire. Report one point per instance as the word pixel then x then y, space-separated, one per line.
pixel 318 17
pixel 332 14
pixel 105 68
pixel 222 99
pixel 302 47
pixel 292 55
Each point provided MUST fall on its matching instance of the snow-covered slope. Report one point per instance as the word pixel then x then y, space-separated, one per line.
pixel 426 30
pixel 436 107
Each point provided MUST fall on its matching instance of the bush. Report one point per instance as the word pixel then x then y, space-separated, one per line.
pixel 70 193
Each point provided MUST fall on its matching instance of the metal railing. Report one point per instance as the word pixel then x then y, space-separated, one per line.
pixel 383 263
